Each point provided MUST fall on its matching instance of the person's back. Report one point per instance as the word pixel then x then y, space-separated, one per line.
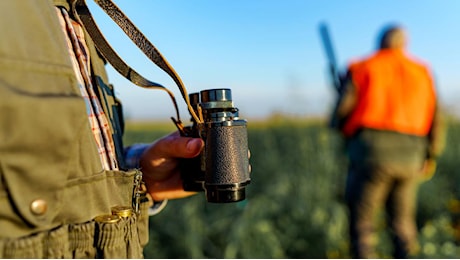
pixel 386 115
pixel 394 94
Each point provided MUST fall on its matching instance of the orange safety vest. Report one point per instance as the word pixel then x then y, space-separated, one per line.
pixel 394 93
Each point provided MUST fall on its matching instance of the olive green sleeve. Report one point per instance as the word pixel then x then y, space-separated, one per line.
pixel 345 104
pixel 438 130
pixel 437 134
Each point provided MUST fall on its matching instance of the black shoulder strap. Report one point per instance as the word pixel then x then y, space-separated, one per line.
pixel 82 13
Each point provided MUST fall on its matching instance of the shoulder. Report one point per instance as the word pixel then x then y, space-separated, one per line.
pixel 362 62
pixel 419 63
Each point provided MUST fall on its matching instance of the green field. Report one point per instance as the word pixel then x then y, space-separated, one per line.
pixel 294 206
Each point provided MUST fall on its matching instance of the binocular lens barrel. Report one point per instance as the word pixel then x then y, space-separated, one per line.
pixel 212 95
pixel 227 164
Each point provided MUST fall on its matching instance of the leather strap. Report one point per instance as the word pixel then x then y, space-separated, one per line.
pixel 82 13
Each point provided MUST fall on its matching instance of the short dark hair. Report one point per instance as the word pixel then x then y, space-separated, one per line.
pixel 392 36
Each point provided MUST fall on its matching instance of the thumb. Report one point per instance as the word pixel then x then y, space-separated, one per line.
pixel 160 160
pixel 176 146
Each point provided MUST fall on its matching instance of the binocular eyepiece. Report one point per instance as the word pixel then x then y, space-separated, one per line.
pixel 222 168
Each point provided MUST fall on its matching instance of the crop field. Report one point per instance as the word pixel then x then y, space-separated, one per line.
pixel 294 206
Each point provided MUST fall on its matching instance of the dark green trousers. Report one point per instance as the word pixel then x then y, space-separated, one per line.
pixel 383 176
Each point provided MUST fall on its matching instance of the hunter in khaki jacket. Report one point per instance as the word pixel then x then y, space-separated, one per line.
pixel 56 199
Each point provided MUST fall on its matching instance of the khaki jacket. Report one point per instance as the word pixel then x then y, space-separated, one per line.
pixel 53 186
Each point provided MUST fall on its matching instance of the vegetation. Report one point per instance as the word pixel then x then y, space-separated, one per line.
pixel 294 206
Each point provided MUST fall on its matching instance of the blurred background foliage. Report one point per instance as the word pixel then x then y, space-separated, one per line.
pixel 294 206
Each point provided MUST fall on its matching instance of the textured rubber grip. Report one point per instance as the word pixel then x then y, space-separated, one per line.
pixel 227 155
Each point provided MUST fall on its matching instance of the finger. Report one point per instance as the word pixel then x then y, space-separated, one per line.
pixel 170 188
pixel 178 146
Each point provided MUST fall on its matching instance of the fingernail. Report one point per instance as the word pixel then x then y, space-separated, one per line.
pixel 193 145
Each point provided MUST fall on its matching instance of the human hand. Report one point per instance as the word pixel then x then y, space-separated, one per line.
pixel 428 170
pixel 160 165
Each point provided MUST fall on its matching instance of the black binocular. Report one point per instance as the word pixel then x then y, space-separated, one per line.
pixel 222 169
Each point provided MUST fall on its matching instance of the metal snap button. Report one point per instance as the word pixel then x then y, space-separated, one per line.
pixel 38 207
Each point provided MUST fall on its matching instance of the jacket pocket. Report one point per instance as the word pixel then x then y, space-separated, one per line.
pixel 38 127
pixel 52 244
pixel 107 236
pixel 34 157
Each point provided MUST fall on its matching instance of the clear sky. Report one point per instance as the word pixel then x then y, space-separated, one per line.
pixel 269 51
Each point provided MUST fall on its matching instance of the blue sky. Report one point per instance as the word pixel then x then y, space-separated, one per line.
pixel 269 51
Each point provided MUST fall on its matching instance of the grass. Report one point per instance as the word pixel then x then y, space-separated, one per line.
pixel 294 206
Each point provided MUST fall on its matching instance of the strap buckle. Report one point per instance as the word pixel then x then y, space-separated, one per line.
pixel 138 191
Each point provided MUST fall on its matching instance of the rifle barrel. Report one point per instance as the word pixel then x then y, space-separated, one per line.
pixel 325 36
pixel 327 43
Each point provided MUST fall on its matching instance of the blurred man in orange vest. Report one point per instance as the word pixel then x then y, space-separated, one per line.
pixel 389 116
